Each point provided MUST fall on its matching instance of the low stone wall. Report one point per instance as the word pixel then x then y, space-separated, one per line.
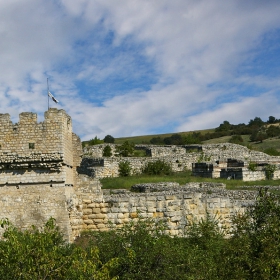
pixel 177 206
pixel 179 157
pixel 109 167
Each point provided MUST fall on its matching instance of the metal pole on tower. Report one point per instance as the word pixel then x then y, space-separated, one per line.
pixel 48 93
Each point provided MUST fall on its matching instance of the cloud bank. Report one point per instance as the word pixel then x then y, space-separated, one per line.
pixel 135 67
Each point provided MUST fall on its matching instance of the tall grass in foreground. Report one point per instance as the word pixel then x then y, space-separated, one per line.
pixel 180 177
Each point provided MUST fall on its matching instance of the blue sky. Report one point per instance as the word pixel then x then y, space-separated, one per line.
pixel 135 67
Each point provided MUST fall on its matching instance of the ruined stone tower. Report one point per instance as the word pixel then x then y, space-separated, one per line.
pixel 38 168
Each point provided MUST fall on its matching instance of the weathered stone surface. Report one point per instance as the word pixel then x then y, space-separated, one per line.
pixel 38 180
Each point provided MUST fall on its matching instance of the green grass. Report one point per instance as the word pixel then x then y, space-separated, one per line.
pixel 181 178
pixel 145 139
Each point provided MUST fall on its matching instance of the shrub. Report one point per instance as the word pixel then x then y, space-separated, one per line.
pixel 124 169
pixel 94 141
pixel 107 152
pixel 269 171
pixel 252 166
pixel 156 141
pixel 158 167
pixel 126 149
pixel 236 139
pixel 43 254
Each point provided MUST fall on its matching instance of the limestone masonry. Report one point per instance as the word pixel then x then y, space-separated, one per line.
pixel 45 173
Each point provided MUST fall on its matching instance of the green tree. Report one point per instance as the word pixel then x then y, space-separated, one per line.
pixel 43 254
pixel 126 149
pixel 193 138
pixel 174 139
pixel 256 122
pixel 225 126
pixel 124 168
pixel 95 141
pixel 236 139
pixel 273 131
pixel 271 119
pixel 156 141
pixel 107 151
pixel 109 139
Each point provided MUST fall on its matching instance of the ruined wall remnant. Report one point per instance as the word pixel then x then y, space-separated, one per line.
pixel 176 205
pixel 39 180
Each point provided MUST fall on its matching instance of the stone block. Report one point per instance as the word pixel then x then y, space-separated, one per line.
pixel 91 226
pixel 158 215
pixel 86 201
pixel 133 215
pixel 96 210
pixel 87 211
pixel 88 221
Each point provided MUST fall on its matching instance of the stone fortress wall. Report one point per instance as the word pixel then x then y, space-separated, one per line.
pixel 176 205
pixel 179 157
pixel 39 180
pixel 38 164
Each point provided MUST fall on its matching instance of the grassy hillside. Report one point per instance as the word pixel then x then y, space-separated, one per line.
pixel 273 142
pixel 145 139
pixel 265 136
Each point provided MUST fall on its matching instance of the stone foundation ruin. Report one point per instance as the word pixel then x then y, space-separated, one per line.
pixel 45 173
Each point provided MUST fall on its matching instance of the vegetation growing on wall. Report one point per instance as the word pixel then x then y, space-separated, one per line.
pixel 158 167
pixel 142 250
pixel 107 151
pixel 124 168
pixel 269 171
pixel 126 149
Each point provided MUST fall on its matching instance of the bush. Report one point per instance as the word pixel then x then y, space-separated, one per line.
pixel 107 152
pixel 43 254
pixel 252 166
pixel 156 141
pixel 94 141
pixel 126 149
pixel 158 167
pixel 124 169
pixel 236 139
pixel 269 171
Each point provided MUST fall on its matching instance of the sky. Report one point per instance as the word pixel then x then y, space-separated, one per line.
pixel 141 67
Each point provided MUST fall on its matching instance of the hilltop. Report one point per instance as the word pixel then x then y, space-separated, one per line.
pixel 257 135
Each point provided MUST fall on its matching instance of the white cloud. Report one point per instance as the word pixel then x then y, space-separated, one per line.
pixel 193 48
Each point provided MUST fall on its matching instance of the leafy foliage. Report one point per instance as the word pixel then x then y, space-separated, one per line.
pixel 124 168
pixel 236 139
pixel 107 151
pixel 109 139
pixel 269 171
pixel 42 254
pixel 143 249
pixel 252 166
pixel 126 149
pixel 156 141
pixel 95 141
pixel 158 167
pixel 174 139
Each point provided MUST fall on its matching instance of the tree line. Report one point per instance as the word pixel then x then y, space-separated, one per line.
pixel 258 130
